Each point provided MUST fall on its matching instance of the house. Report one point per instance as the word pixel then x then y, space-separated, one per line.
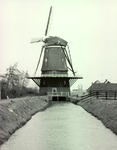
pixel 105 89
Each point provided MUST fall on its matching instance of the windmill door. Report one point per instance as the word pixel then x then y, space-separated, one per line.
pixel 54 91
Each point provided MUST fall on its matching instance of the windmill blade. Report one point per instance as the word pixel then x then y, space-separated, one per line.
pixel 67 57
pixel 42 39
pixel 46 31
pixel 39 60
pixel 69 54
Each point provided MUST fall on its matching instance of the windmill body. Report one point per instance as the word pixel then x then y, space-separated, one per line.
pixel 54 72
pixel 54 80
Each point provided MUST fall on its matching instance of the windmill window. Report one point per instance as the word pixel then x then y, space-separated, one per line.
pixel 46 59
pixel 62 59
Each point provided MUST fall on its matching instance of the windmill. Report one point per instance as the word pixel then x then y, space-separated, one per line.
pixel 54 80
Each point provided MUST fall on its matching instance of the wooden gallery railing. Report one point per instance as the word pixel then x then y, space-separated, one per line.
pixel 58 93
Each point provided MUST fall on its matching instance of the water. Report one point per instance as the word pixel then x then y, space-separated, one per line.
pixel 64 126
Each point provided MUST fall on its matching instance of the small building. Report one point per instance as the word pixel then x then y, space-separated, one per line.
pixel 74 92
pixel 104 90
pixel 78 92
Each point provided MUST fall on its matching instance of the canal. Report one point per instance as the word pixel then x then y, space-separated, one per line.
pixel 64 126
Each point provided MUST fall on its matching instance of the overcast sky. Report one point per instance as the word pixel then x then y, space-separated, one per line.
pixel 89 26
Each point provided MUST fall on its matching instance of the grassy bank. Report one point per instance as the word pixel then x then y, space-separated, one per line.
pixel 16 112
pixel 104 110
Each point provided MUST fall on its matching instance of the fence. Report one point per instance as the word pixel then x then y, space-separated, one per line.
pixel 101 94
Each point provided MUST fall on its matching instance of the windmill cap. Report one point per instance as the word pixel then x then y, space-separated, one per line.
pixel 54 40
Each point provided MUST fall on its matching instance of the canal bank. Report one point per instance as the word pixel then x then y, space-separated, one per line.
pixel 104 110
pixel 16 112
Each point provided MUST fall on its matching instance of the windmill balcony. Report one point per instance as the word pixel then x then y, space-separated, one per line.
pixel 59 75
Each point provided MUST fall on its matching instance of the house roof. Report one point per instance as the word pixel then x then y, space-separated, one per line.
pixel 103 87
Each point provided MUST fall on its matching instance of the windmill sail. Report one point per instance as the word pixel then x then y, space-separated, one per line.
pixel 36 40
pixel 39 60
pixel 46 31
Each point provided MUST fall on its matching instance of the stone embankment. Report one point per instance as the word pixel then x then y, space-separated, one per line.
pixel 16 112
pixel 104 110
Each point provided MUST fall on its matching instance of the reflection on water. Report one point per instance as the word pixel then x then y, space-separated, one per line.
pixel 64 126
